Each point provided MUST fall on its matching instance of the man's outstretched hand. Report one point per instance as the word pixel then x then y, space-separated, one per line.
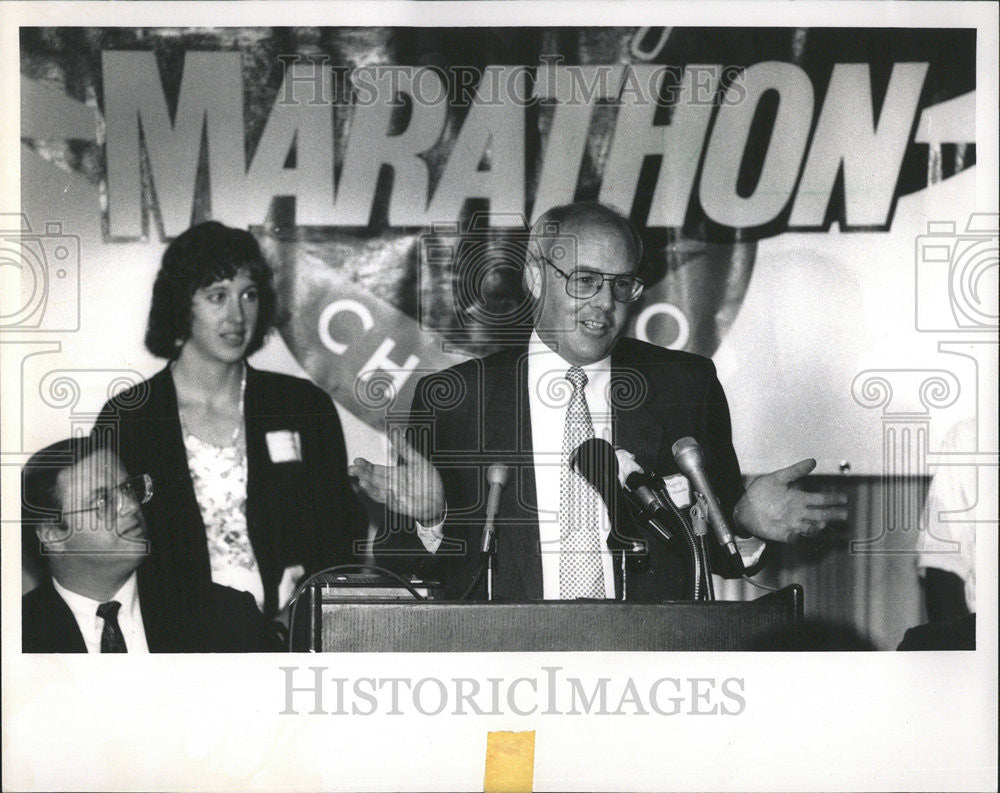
pixel 773 509
pixel 413 487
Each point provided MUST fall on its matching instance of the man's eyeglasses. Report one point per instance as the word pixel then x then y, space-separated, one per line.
pixel 583 284
pixel 109 501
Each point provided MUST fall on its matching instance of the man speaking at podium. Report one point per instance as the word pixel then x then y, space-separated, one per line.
pixel 531 407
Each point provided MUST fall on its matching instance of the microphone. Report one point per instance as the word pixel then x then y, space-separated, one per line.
pixel 637 483
pixel 498 476
pixel 595 461
pixel 691 460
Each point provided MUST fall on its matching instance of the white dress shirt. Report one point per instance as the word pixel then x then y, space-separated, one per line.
pixel 548 399
pixel 91 626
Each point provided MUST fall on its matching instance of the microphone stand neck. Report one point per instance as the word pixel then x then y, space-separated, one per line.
pixel 688 535
pixel 699 515
pixel 490 556
pixel 486 562
pixel 699 522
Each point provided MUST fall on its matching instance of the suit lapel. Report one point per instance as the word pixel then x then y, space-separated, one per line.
pixel 60 631
pixel 517 540
pixel 185 514
pixel 166 614
pixel 159 614
pixel 636 428
pixel 255 450
pixel 165 394
pixel 260 482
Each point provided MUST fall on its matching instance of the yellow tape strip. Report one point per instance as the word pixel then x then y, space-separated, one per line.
pixel 510 762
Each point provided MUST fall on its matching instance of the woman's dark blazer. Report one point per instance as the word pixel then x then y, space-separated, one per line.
pixel 299 511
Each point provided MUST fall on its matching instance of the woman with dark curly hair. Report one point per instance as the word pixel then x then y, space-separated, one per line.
pixel 249 466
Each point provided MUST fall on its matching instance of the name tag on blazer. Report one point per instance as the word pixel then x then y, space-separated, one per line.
pixel 284 446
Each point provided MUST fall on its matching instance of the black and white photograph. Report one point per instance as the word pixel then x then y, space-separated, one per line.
pixel 473 395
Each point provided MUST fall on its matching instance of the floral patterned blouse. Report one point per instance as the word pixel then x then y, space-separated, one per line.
pixel 219 475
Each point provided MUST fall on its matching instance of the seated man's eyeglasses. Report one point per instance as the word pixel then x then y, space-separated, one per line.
pixel 583 284
pixel 108 502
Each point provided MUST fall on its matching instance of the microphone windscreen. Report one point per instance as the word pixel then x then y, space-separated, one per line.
pixel 498 474
pixel 688 456
pixel 595 460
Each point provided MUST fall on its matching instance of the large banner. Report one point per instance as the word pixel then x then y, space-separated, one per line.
pixel 779 178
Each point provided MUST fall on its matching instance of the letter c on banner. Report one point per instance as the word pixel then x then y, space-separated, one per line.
pixel 639 37
pixel 336 307
pixel 655 309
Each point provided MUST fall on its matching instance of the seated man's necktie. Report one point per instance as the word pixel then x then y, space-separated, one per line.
pixel 112 640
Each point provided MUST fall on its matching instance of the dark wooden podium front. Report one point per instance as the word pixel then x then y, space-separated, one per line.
pixel 339 625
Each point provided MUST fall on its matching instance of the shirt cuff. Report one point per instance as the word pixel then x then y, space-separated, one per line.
pixel 431 536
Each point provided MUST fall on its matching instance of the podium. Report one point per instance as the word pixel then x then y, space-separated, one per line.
pixel 352 625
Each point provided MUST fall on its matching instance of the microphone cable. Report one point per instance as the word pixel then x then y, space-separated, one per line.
pixel 665 497
pixel 688 532
pixel 293 602
pixel 759 585
pixel 475 579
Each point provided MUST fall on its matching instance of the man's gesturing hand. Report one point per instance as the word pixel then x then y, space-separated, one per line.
pixel 413 487
pixel 772 509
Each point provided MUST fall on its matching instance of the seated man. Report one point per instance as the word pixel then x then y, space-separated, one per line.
pixel 80 513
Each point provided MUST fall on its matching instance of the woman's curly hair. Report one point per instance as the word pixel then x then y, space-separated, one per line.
pixel 205 253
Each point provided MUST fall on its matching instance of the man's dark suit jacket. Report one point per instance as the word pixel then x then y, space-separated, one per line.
pixel 227 621
pixel 477 413
pixel 298 512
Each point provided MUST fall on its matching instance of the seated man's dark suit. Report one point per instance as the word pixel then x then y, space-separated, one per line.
pixel 229 622
pixel 477 413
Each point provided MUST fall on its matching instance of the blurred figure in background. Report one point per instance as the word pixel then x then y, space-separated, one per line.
pixel 946 547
